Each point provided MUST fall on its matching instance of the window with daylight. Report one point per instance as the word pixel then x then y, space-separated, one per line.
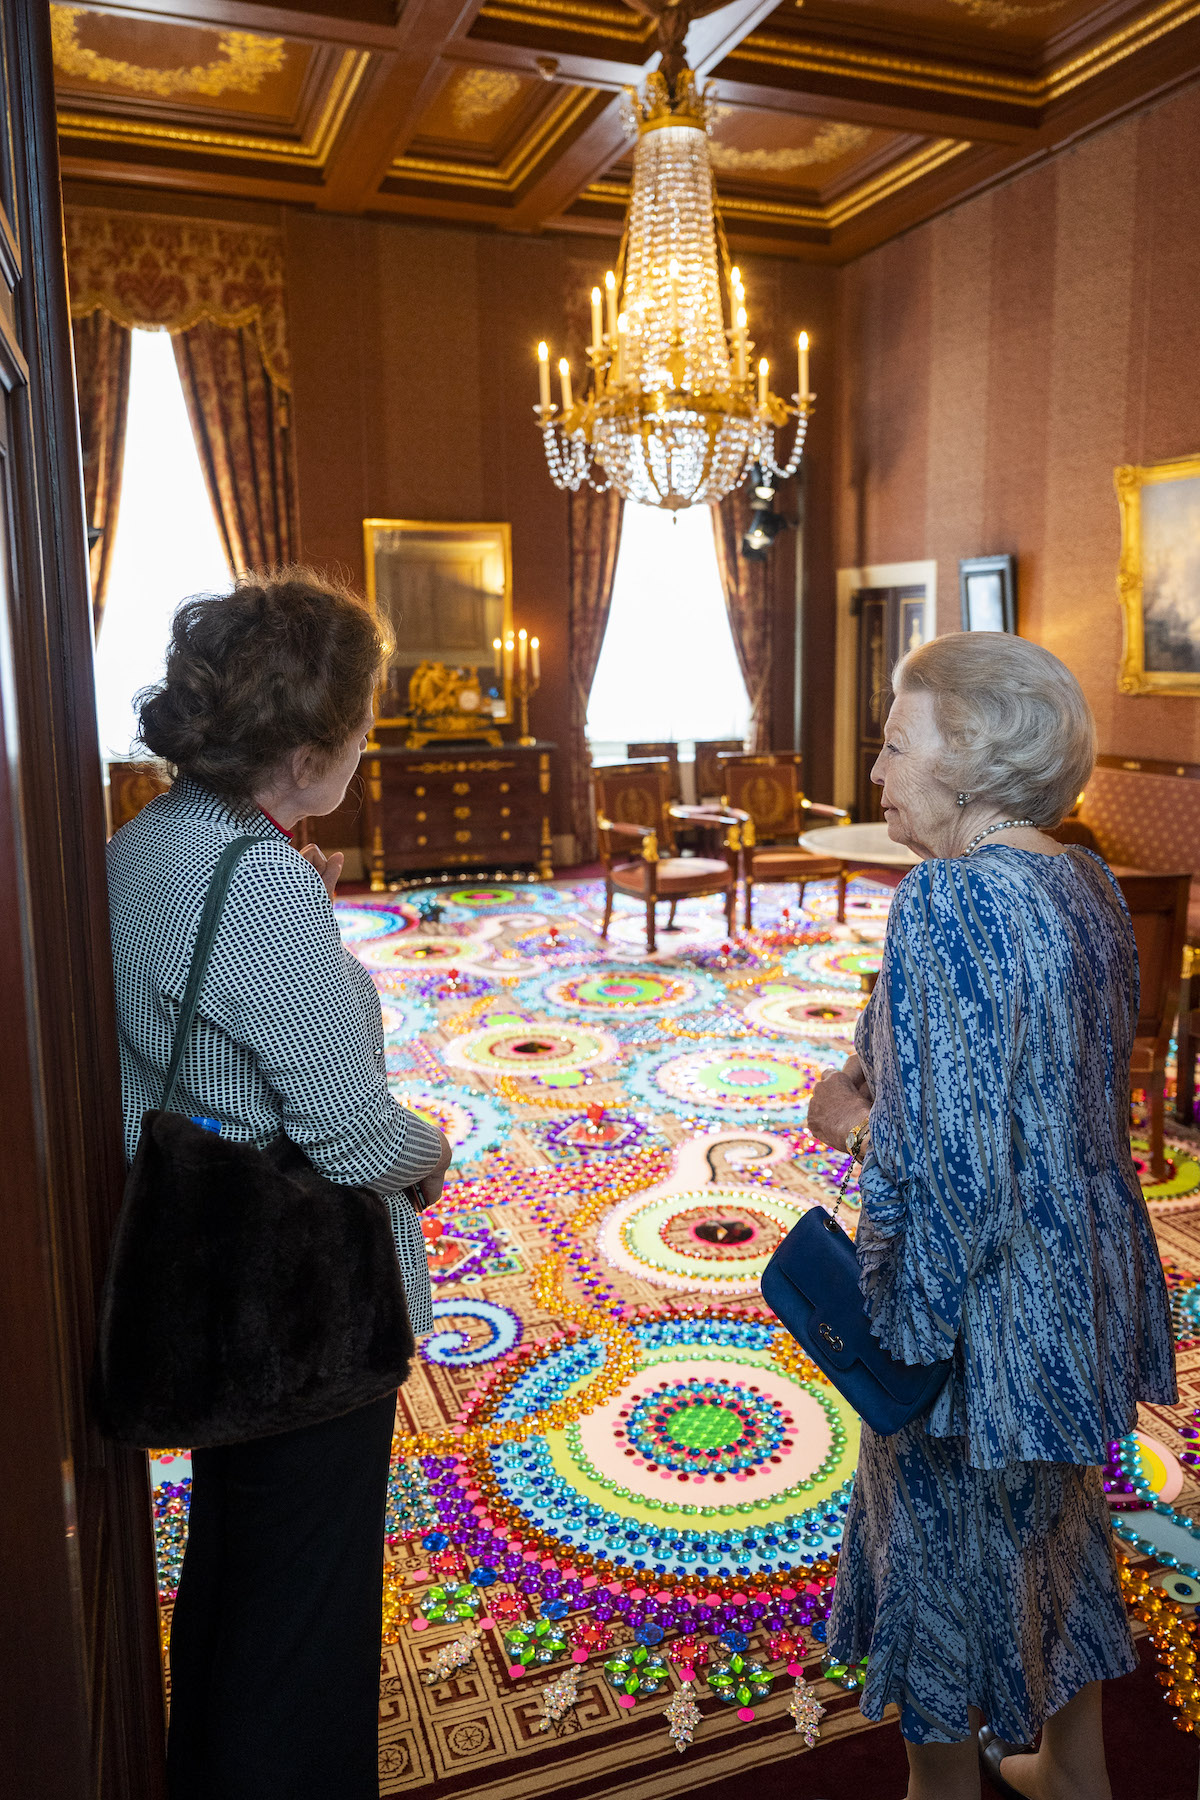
pixel 167 545
pixel 668 668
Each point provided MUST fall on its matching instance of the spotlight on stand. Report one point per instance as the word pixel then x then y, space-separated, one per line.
pixel 765 523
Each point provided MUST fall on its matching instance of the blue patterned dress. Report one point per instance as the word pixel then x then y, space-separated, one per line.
pixel 1002 1223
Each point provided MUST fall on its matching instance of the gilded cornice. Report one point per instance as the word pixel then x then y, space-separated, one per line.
pixel 572 15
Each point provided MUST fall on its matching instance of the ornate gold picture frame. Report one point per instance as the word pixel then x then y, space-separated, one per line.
pixel 1159 576
pixel 444 593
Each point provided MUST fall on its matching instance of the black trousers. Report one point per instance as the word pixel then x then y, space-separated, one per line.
pixel 275 1639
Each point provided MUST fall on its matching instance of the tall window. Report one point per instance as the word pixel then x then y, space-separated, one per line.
pixel 167 545
pixel 667 668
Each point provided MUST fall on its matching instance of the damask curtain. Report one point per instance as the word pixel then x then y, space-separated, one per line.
pixel 219 290
pixel 102 359
pixel 748 602
pixel 240 421
pixel 593 538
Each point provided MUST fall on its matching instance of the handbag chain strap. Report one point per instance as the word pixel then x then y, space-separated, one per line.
pixel 206 932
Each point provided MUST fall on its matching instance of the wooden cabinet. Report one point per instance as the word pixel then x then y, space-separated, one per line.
pixel 451 806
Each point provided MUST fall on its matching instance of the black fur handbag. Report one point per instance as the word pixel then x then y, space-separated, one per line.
pixel 246 1294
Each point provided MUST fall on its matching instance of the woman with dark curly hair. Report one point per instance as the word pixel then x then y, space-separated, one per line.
pixel 263 713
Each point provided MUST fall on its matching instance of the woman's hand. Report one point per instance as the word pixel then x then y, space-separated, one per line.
pixel 838 1103
pixel 430 1186
pixel 329 868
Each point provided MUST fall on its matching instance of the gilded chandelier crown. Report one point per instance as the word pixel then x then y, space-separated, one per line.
pixel 664 103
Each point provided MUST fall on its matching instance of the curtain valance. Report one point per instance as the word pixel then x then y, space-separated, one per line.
pixel 150 271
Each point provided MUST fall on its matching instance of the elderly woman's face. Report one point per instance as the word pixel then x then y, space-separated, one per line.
pixel 920 810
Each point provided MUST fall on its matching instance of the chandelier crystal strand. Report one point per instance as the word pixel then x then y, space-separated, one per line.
pixel 673 414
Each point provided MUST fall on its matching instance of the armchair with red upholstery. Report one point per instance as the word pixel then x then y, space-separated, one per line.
pixel 768 789
pixel 635 825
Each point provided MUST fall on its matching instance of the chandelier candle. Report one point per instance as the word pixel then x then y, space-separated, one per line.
pixel 670 413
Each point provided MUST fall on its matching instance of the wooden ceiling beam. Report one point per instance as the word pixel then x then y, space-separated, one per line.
pixel 398 89
pixel 897 111
pixel 332 27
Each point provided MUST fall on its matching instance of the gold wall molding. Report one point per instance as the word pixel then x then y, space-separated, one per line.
pixel 506 177
pixel 817 58
pixel 310 152
pixel 245 61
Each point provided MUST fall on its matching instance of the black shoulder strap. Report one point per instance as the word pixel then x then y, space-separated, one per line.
pixel 210 919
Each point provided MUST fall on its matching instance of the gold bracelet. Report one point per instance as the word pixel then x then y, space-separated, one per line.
pixel 854 1141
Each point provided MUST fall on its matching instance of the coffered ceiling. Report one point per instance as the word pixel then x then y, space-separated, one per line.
pixel 838 123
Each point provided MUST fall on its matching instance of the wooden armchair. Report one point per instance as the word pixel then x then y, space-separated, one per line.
pixel 768 788
pixel 709 780
pixel 635 824
pixel 1158 905
pixel 665 752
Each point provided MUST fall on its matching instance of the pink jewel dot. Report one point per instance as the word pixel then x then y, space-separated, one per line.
pixel 419 1624
pixel 590 1581
pixel 795 1668
pixel 787 1593
pixel 419 1575
pixel 745 1714
pixel 579 1656
pixel 628 1700
pixel 688 1674
pixel 516 1671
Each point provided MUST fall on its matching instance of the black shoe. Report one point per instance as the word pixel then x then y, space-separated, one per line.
pixel 992 1751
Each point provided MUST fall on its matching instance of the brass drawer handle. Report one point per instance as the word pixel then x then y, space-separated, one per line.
pixel 504 836
pixel 462 812
pixel 422 842
pixel 462 837
pixel 504 787
pixel 505 811
pixel 420 818
pixel 462 787
pixel 419 792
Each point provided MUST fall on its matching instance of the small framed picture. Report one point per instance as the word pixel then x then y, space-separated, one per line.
pixel 988 589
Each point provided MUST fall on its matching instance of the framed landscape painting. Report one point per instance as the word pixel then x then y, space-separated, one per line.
pixel 1159 576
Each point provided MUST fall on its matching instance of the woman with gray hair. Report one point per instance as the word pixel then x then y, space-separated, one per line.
pixel 1002 1227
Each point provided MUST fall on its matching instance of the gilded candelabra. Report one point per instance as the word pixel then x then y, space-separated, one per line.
pixel 521 658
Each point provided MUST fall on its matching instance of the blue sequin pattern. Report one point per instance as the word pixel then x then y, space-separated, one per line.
pixel 1002 1223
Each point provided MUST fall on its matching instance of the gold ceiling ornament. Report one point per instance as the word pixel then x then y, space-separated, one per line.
pixel 245 60
pixel 831 142
pixel 672 414
pixel 1007 12
pixel 478 93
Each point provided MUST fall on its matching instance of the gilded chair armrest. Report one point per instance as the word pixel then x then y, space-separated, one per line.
pixel 838 814
pixel 645 833
pixel 737 824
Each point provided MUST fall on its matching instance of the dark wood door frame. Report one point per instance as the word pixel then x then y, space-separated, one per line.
pixel 80 1700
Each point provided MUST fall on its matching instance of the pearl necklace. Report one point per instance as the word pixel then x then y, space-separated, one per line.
pixel 1004 825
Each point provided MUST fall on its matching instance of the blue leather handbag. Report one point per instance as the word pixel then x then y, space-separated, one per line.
pixel 811 1285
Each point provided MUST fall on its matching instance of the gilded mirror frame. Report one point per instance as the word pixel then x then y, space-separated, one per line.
pixel 472 535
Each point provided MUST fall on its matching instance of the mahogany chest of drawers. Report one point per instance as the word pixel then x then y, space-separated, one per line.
pixel 451 806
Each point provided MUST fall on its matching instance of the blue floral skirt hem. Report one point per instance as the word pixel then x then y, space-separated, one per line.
pixel 994 1588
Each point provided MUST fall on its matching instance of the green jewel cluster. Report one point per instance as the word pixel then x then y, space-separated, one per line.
pixel 541 1642
pixel 739 1682
pixel 850 1675
pixel 452 1601
pixel 833 1457
pixel 636 1670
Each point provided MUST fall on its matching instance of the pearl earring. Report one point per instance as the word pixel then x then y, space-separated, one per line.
pixel 963 798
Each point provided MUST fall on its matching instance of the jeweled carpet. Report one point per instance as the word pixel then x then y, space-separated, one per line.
pixel 617 1489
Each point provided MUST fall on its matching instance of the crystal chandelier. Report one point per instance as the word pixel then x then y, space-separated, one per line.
pixel 672 414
